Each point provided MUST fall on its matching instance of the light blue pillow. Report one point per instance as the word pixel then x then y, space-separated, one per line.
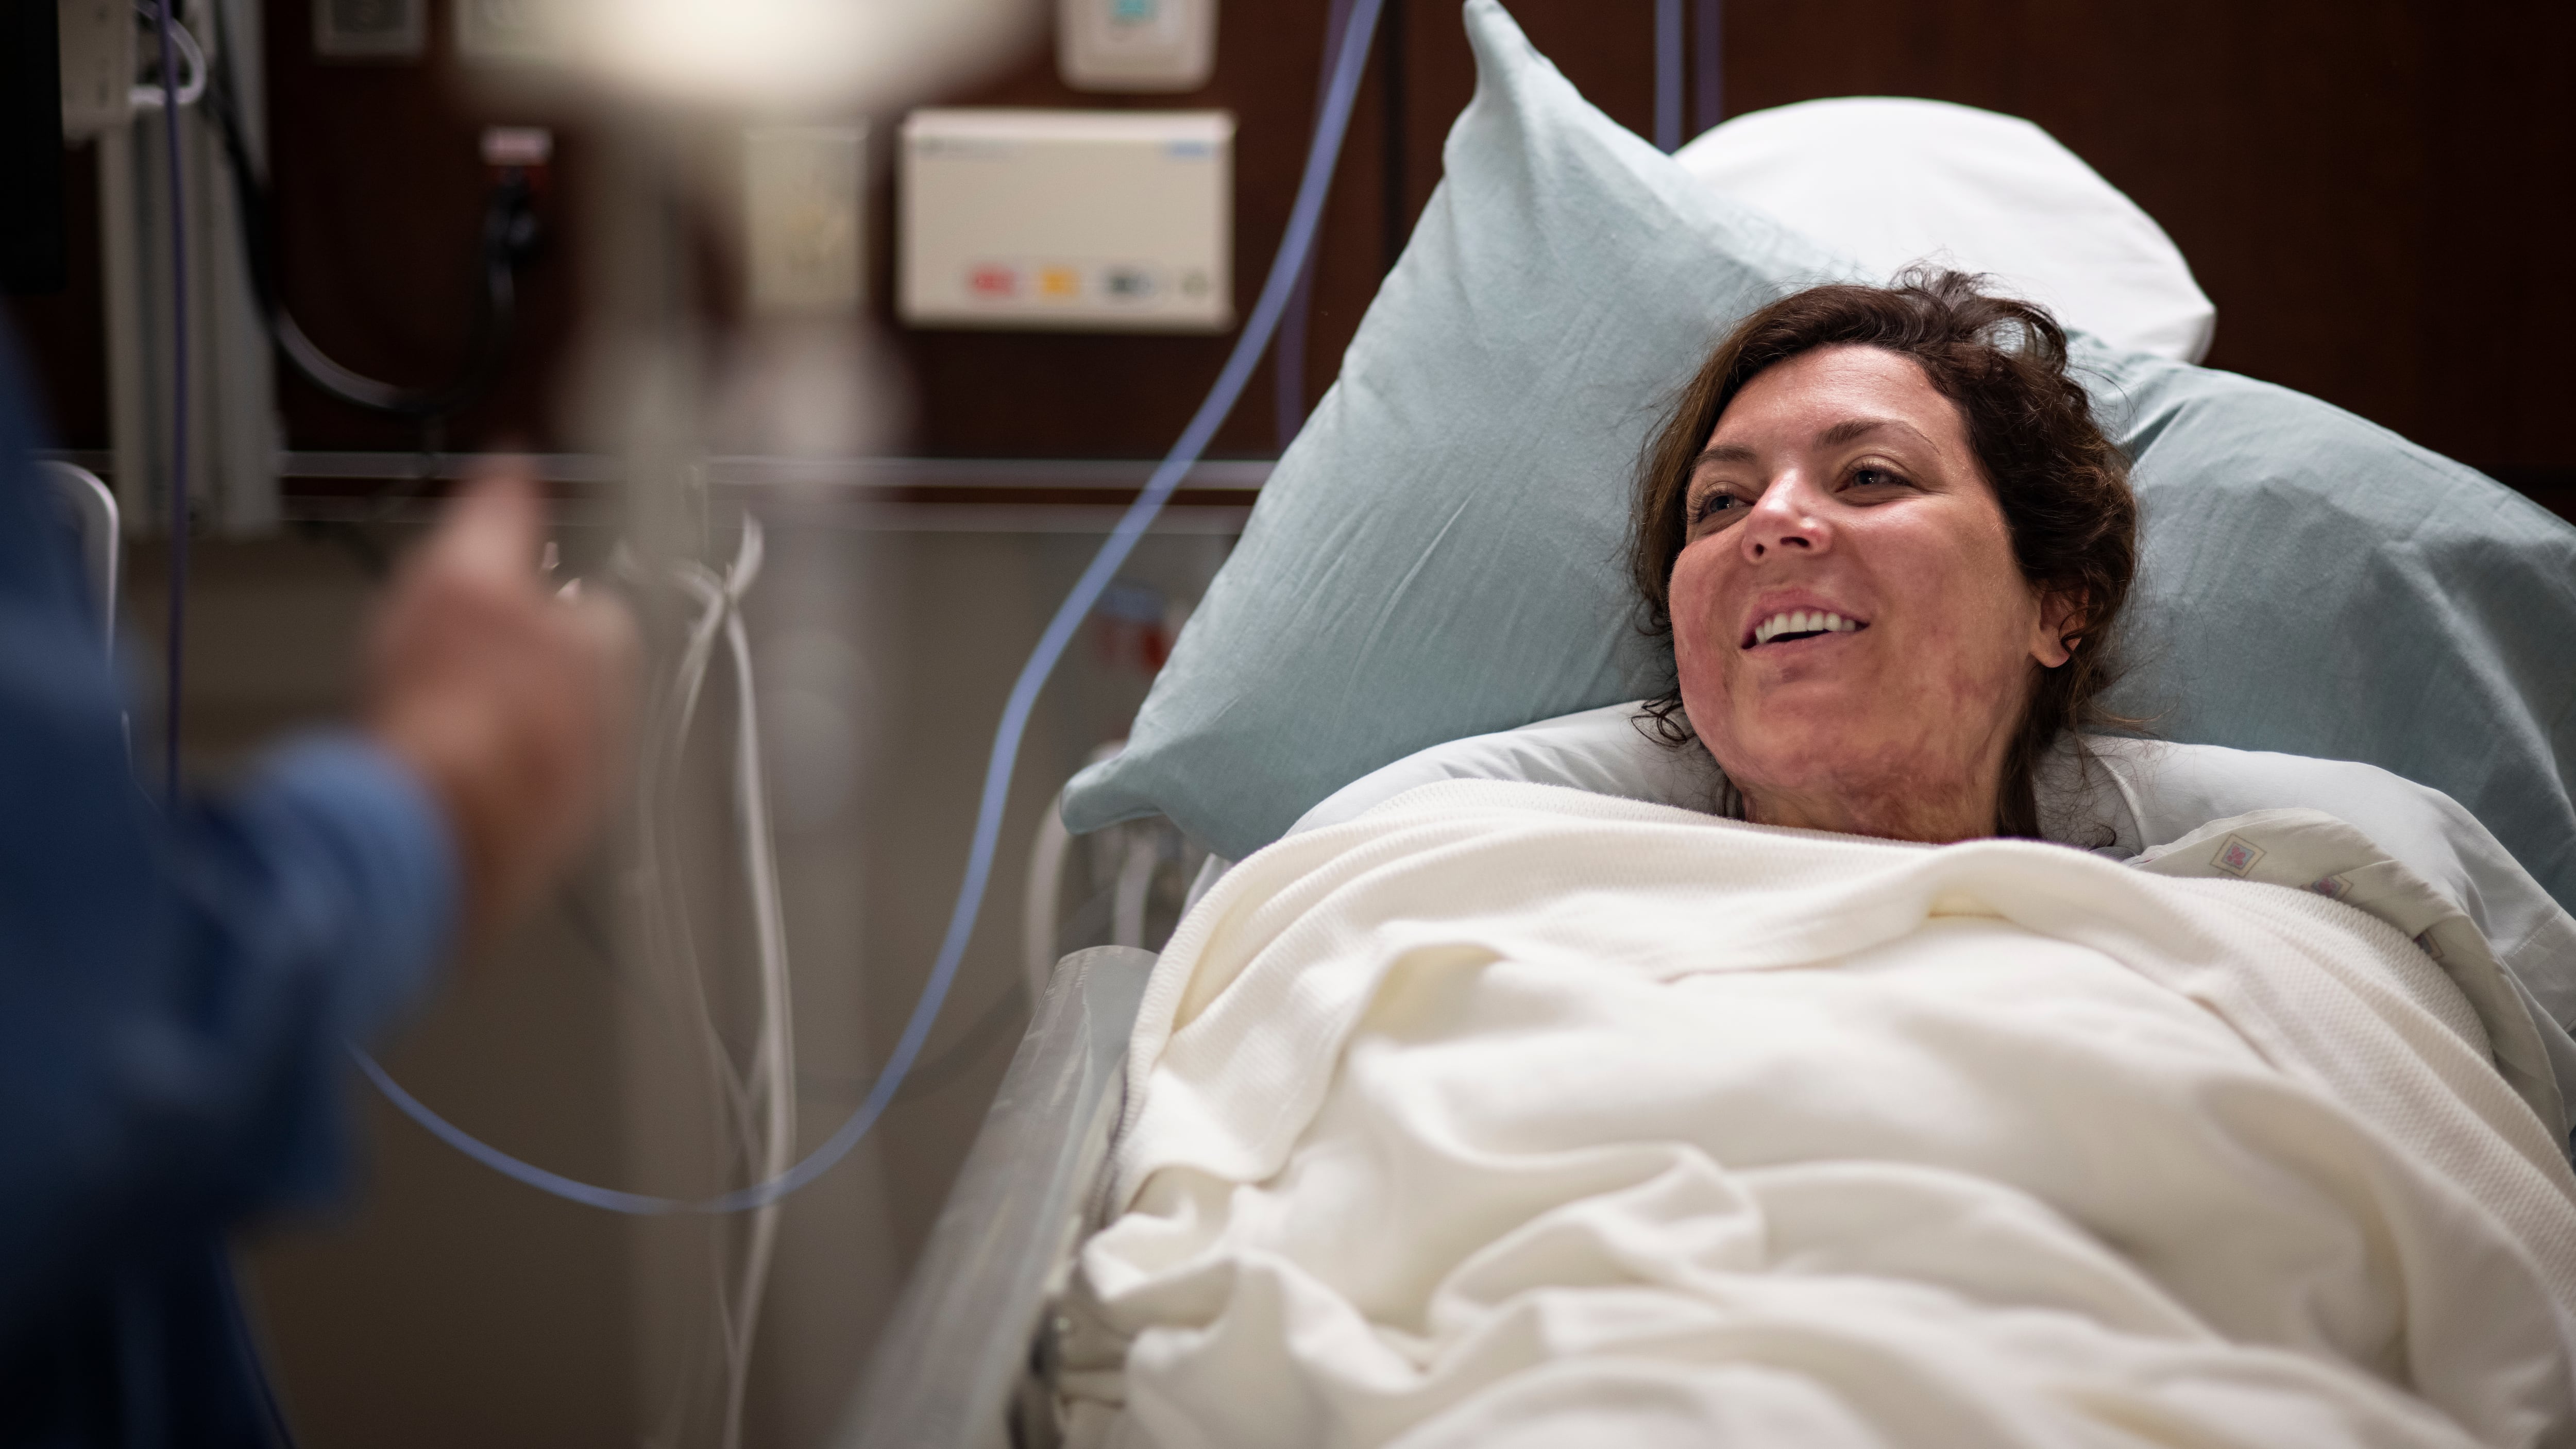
pixel 2313 584
pixel 1439 555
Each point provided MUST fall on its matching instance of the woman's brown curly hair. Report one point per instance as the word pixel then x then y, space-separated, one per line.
pixel 2062 485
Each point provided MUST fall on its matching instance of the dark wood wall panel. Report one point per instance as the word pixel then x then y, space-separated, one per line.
pixel 64 345
pixel 2497 234
pixel 2377 194
pixel 380 186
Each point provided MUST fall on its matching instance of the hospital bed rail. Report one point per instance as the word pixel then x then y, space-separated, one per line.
pixel 955 1365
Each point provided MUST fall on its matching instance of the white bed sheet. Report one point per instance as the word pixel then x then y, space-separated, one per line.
pixel 1509 1114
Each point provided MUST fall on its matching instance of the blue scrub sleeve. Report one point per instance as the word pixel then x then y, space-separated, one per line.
pixel 175 989
pixel 320 898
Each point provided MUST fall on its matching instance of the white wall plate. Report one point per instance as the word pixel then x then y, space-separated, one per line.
pixel 803 217
pixel 370 29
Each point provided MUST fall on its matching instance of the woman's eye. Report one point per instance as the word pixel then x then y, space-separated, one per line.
pixel 1868 477
pixel 1715 506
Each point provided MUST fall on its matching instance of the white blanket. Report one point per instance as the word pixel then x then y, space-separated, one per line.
pixel 1511 1115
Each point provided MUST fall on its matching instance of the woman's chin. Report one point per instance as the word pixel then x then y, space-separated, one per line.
pixel 1806 732
pixel 1794 699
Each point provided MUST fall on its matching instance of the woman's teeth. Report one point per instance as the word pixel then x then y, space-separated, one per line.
pixel 1802 621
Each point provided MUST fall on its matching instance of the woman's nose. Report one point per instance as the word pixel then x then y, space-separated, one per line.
pixel 1788 517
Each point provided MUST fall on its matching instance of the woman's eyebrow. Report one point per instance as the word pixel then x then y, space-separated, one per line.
pixel 1853 429
pixel 1723 453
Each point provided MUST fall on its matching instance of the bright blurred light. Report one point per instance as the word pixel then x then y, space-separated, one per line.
pixel 790 56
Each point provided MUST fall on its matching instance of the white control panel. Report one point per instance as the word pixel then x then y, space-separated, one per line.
pixel 1075 220
pixel 1135 45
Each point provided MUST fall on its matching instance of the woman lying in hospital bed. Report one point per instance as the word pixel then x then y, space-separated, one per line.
pixel 1506 1114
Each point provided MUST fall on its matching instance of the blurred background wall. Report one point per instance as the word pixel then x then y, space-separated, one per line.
pixel 2376 193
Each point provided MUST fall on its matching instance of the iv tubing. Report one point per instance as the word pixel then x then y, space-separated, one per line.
pixel 1668 76
pixel 1321 156
pixel 174 645
pixel 1288 357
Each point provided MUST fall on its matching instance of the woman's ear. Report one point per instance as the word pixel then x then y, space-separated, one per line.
pixel 2060 627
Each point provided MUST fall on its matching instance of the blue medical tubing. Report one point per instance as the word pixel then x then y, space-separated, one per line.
pixel 1708 55
pixel 1668 76
pixel 1321 155
pixel 1288 359
pixel 178 404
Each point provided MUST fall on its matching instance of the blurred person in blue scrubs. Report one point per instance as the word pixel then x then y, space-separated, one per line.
pixel 176 983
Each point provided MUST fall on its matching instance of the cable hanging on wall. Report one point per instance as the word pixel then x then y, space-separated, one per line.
pixel 508 237
pixel 1708 62
pixel 169 95
pixel 1668 76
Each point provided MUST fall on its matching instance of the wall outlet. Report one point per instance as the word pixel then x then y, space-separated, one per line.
pixel 523 148
pixel 802 213
pixel 370 29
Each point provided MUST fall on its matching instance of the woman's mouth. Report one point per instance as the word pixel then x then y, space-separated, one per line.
pixel 1794 624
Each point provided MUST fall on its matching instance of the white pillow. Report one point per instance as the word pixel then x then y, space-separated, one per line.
pixel 2147 793
pixel 1892 181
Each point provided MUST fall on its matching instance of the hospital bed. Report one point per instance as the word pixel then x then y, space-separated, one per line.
pixel 91 507
pixel 970 1357
pixel 967 1357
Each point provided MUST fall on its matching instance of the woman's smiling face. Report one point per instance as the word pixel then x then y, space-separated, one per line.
pixel 1855 640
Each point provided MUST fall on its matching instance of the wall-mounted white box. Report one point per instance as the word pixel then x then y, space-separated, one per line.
pixel 1135 45
pixel 1067 220
pixel 97 40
